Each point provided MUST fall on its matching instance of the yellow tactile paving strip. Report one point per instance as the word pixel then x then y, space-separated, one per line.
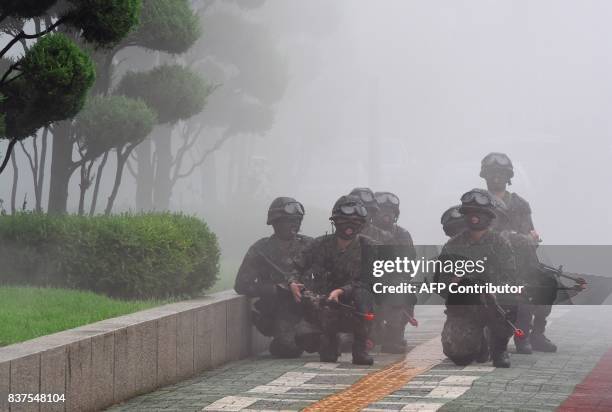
pixel 383 382
pixel 368 389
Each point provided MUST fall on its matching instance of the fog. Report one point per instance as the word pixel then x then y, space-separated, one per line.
pixel 408 97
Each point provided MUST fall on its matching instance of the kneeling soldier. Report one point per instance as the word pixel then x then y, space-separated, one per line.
pixel 264 273
pixel 332 266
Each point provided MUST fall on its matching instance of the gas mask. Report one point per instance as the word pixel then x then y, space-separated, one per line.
pixel 478 221
pixel 287 228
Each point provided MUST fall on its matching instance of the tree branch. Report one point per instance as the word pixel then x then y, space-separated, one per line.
pixel 23 35
pixel 30 161
pixel 218 144
pixel 178 160
pixel 7 155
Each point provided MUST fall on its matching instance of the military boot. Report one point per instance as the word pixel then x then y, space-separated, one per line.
pixel 523 346
pixel 360 352
pixel 501 359
pixel 329 351
pixel 499 349
pixel 362 358
pixel 394 341
pixel 541 343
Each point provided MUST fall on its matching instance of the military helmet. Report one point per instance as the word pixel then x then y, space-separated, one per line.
pixel 496 162
pixel 388 199
pixel 477 200
pixel 349 206
pixel 284 207
pixel 366 196
pixel 452 221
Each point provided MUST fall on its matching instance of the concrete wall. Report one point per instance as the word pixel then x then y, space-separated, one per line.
pixel 107 362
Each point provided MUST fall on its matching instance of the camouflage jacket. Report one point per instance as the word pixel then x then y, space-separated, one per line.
pixel 377 234
pixel 324 267
pixel 519 213
pixel 524 254
pixel 256 277
pixel 500 263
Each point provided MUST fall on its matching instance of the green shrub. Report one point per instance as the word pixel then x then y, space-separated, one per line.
pixel 157 255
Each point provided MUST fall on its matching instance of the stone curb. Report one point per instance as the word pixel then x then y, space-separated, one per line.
pixel 110 361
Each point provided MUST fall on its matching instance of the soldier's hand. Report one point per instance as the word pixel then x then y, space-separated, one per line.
pixel 536 236
pixel 335 294
pixel 296 291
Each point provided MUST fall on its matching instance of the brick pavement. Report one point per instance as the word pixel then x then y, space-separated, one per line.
pixel 539 382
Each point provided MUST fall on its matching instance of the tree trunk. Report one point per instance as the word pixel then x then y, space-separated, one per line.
pixel 41 171
pixel 144 176
pixel 163 184
pixel 61 169
pixel 15 181
pixel 94 198
pixel 121 159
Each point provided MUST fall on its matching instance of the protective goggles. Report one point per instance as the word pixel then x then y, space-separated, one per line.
pixel 353 209
pixel 496 159
pixel 383 198
pixel 365 196
pixel 293 208
pixel 476 197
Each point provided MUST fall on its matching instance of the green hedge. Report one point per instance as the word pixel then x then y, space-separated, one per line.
pixel 156 255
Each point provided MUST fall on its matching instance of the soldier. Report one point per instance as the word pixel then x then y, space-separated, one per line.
pixel 369 229
pixel 264 273
pixel 497 170
pixel 396 309
pixel 332 265
pixel 464 326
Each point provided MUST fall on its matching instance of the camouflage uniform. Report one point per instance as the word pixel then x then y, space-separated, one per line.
pixel 519 213
pixel 396 309
pixel 264 273
pixel 326 268
pixel 530 317
pixel 465 312
pixel 379 235
pixel 276 313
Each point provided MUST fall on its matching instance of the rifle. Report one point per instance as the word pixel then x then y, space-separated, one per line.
pixel 315 299
pixel 580 285
pixel 492 302
pixel 282 284
pixel 319 301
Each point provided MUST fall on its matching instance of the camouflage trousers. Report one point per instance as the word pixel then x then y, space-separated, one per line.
pixel 471 330
pixel 278 319
pixel 323 324
pixel 532 318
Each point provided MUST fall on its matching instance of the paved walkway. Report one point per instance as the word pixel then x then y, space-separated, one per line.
pixel 423 380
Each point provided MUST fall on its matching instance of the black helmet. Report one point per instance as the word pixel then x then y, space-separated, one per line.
pixel 349 206
pixel 477 200
pixel 388 199
pixel 496 162
pixel 452 221
pixel 283 207
pixel 366 196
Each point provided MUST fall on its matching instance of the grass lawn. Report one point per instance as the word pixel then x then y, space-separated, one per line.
pixel 29 312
